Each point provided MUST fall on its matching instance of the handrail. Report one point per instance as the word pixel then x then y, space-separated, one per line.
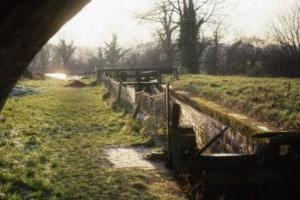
pixel 138 69
pixel 213 140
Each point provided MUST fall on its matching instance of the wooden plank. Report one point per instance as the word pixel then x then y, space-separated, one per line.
pixel 173 125
pixel 141 83
pixel 168 121
pixel 166 70
pixel 119 92
pixel 175 116
pixel 150 73
pixel 138 79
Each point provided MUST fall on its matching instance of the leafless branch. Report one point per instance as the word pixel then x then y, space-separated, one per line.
pixel 286 30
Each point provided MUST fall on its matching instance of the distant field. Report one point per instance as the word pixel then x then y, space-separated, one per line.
pixel 272 100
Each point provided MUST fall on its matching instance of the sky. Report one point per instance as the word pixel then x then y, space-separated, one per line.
pixel 101 18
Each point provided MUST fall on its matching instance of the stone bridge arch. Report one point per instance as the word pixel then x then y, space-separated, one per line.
pixel 26 25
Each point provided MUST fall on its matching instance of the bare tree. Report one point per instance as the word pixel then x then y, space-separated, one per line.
pixel 204 9
pixel 144 55
pixel 99 62
pixel 42 60
pixel 286 30
pixel 163 14
pixel 65 51
pixel 45 57
pixel 33 64
pixel 193 14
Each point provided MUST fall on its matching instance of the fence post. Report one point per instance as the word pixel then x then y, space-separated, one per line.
pixel 173 130
pixel 119 92
pixel 167 112
pixel 175 74
pixel 172 120
pixel 98 74
pixel 159 78
pixel 139 80
pixel 137 109
pixel 175 117
pixel 118 76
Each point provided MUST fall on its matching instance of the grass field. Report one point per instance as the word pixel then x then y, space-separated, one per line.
pixel 52 147
pixel 272 100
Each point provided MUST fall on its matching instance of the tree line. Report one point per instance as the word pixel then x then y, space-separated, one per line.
pixel 182 30
pixel 181 41
pixel 63 57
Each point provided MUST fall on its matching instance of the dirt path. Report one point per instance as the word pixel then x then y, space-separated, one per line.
pixel 133 157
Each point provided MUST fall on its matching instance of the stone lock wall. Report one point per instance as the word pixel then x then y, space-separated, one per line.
pixel 206 128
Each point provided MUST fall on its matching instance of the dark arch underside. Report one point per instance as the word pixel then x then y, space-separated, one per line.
pixel 26 25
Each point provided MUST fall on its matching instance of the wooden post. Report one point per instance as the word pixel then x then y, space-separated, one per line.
pixel 176 74
pixel 119 92
pixel 167 112
pixel 137 109
pixel 173 129
pixel 110 89
pixel 248 144
pixel 118 76
pixel 159 78
pixel 98 74
pixel 175 117
pixel 139 80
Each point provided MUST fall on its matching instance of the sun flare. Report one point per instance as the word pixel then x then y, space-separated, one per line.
pixel 60 76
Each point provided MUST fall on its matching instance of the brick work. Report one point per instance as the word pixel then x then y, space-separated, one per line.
pixel 207 128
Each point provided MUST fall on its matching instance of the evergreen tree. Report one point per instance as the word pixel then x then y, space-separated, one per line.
pixel 112 53
pixel 188 38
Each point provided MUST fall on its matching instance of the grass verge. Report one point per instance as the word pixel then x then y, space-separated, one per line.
pixel 52 147
pixel 270 100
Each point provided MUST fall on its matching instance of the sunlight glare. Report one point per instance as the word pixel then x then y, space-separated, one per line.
pixel 60 76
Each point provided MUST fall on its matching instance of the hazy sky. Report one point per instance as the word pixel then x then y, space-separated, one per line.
pixel 99 19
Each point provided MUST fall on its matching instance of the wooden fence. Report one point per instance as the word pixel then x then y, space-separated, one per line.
pixel 191 115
